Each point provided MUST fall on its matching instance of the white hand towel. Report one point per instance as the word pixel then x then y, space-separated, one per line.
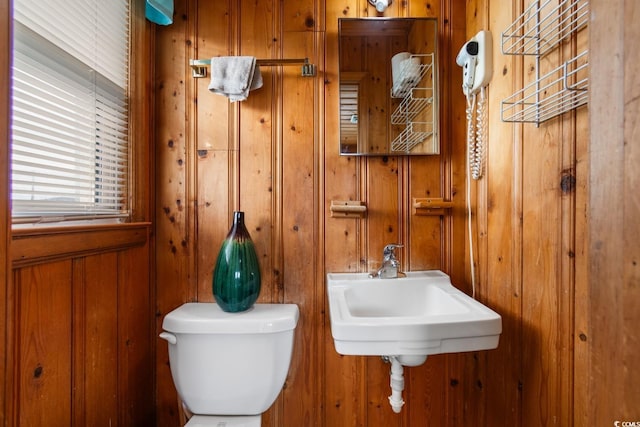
pixel 234 76
pixel 406 74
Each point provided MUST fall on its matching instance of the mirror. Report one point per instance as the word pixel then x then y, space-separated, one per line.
pixel 388 86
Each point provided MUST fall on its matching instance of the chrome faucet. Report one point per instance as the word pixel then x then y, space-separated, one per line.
pixel 390 265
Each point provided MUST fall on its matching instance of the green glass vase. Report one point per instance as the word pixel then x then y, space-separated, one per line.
pixel 236 277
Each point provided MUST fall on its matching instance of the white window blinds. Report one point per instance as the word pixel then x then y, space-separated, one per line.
pixel 70 110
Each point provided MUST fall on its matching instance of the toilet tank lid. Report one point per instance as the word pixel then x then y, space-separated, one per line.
pixel 198 318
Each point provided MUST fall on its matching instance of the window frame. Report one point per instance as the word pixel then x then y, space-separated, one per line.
pixel 70 236
pixel 70 113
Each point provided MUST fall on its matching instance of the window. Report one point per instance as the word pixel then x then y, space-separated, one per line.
pixel 69 131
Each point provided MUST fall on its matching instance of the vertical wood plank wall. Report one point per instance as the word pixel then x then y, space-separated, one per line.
pixel 82 341
pixel 531 224
pixel 614 210
pixel 275 156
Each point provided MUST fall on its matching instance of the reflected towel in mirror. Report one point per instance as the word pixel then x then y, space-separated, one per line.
pixel 405 73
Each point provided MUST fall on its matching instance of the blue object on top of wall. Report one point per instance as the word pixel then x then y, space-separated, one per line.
pixel 159 11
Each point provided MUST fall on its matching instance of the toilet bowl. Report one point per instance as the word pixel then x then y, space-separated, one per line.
pixel 229 368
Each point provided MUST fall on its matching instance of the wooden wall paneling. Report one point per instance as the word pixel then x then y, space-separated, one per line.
pixel 377 90
pixel 424 174
pixel 320 309
pixel 217 153
pixel 83 341
pixel 352 388
pixel 613 231
pixel 382 197
pixel 428 391
pixel 568 191
pixel 175 279
pixel 425 239
pixel 5 223
pixel 344 397
pixel 95 332
pixel 135 338
pixel 340 173
pixel 214 212
pixel 580 404
pixel 31 246
pixel 300 15
pixel 296 283
pixel 419 8
pixel 500 230
pixel 467 372
pixel 452 259
pixel 258 121
pixel 606 212
pixel 545 316
pixel 215 114
pixel 43 383
pixel 581 300
pixel 466 378
pixel 79 336
pixel 631 273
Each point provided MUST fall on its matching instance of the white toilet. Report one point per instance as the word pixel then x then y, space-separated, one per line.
pixel 229 368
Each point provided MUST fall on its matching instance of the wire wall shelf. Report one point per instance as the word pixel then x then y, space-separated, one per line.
pixel 541 29
pixel 415 114
pixel 555 93
pixel 412 105
pixel 413 134
pixel 543 26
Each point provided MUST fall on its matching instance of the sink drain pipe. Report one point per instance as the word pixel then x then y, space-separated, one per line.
pixel 397 384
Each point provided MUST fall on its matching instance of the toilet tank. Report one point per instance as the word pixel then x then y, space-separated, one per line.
pixel 230 363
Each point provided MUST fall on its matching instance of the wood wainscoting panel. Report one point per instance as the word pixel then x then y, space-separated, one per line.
pixel 95 329
pixel 135 338
pixel 83 341
pixel 43 352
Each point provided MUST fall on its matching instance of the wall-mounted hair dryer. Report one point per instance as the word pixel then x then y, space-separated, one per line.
pixel 475 60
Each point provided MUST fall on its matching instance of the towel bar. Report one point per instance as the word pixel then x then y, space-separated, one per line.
pixel 199 66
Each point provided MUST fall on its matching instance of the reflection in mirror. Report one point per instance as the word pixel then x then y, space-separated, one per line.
pixel 388 86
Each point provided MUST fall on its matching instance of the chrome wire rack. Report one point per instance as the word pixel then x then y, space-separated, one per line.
pixel 541 29
pixel 542 26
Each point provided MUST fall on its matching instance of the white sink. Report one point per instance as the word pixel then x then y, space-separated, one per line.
pixel 408 317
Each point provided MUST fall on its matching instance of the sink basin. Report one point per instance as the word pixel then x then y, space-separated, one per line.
pixel 410 317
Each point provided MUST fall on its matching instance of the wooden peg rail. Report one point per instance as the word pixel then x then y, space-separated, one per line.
pixel 347 209
pixel 431 206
